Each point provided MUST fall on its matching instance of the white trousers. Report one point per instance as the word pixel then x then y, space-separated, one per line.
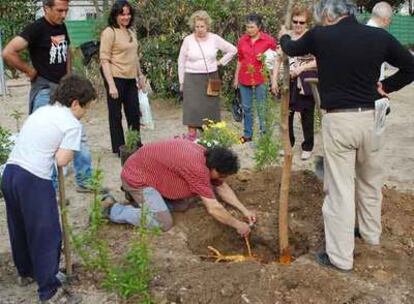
pixel 353 181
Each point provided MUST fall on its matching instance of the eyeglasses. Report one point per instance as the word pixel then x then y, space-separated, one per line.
pixel 298 22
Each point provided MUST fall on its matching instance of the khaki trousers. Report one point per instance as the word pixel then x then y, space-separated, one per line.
pixel 353 178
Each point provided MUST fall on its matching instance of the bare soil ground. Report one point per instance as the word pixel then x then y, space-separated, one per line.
pixel 382 274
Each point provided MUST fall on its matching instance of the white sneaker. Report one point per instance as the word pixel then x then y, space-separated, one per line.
pixel 282 152
pixel 306 155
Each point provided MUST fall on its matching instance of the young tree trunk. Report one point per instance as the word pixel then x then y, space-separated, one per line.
pixel 285 257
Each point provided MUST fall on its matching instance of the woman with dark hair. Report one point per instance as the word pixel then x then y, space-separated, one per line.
pixel 121 70
pixel 301 98
pixel 249 75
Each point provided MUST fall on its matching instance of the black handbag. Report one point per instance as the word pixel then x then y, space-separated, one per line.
pixel 236 106
pixel 89 49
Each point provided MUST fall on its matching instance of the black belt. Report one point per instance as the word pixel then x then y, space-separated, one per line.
pixel 361 109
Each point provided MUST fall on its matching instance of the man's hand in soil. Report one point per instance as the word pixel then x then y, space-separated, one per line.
pixel 243 229
pixel 250 216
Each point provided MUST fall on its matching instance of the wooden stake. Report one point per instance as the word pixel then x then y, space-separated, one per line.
pixel 64 220
pixel 285 257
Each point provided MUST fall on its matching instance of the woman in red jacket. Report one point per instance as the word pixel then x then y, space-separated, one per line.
pixel 249 75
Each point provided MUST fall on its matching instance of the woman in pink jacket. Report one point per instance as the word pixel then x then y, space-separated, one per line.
pixel 197 63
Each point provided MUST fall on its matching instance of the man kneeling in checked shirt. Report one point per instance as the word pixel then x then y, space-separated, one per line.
pixel 160 175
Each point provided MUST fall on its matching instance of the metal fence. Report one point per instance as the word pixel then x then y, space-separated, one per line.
pixel 402 27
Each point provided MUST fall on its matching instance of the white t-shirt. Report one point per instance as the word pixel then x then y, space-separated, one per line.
pixel 45 131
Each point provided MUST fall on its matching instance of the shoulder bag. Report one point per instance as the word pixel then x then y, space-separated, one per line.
pixel 213 84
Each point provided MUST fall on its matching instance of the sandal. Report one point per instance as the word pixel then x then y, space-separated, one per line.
pixel 244 139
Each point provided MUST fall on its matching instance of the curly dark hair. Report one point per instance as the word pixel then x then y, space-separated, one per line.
pixel 223 160
pixel 117 9
pixel 73 87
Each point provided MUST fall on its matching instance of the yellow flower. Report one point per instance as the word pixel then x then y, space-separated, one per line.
pixel 220 125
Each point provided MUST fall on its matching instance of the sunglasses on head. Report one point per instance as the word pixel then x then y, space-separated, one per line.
pixel 298 22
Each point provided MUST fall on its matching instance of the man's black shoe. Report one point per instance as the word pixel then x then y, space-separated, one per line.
pixel 323 259
pixel 357 234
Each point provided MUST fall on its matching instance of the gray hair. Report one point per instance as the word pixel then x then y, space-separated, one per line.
pixel 382 10
pixel 334 9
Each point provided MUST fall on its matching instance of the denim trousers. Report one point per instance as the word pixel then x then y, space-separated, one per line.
pixel 258 94
pixel 82 161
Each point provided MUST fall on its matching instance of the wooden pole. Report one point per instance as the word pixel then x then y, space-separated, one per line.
pixel 285 257
pixel 64 220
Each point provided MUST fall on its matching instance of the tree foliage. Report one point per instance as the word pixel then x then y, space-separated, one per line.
pixel 162 25
pixel 14 15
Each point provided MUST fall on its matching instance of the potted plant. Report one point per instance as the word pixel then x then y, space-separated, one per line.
pixel 132 144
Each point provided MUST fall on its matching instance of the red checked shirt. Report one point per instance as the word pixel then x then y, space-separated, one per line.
pixel 176 168
pixel 249 53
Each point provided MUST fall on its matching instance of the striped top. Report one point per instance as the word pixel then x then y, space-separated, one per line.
pixel 176 168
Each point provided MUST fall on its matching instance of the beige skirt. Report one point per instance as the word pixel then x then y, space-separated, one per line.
pixel 197 106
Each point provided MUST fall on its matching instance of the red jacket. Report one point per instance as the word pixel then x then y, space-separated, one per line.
pixel 249 54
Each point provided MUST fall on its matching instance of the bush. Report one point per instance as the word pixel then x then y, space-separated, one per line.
pixel 162 25
pixel 14 16
pixel 5 145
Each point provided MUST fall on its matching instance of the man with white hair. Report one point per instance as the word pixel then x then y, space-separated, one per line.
pixel 381 17
pixel 349 56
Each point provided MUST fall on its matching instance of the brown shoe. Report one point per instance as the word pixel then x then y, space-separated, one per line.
pixel 244 139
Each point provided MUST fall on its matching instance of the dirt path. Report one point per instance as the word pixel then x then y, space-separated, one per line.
pixel 383 274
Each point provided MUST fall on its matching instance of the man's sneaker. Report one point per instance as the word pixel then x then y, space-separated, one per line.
pixel 63 296
pixel 323 259
pixel 24 281
pixel 306 155
pixel 282 152
pixel 107 202
pixel 85 189
pixel 63 279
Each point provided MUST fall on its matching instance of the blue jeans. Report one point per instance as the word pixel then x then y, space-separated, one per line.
pixel 247 93
pixel 82 161
pixel 156 204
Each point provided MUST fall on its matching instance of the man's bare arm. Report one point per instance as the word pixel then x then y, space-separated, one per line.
pixel 216 210
pixel 227 195
pixel 11 55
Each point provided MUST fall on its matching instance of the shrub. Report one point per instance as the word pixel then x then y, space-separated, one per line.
pixel 5 145
pixel 217 134
pixel 14 16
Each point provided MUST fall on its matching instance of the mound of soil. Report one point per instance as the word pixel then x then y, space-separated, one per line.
pixel 382 274
pixel 260 191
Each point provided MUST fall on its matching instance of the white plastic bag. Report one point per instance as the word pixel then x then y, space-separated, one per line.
pixel 144 107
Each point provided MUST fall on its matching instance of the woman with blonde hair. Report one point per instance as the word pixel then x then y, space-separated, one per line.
pixel 197 63
pixel 301 98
